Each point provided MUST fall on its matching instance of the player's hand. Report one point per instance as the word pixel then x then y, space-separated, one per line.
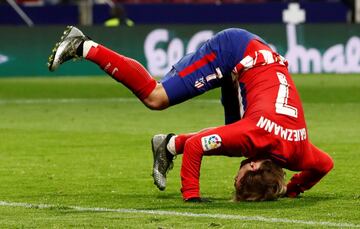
pixel 283 191
pixel 197 200
pixel 291 194
pixel 293 190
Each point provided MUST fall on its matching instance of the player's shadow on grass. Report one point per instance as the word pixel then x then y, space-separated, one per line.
pixel 226 203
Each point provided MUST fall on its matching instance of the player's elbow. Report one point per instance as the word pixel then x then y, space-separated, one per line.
pixel 330 165
pixel 327 164
pixel 323 162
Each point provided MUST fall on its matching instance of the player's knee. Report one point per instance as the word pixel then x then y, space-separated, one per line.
pixel 158 99
pixel 155 104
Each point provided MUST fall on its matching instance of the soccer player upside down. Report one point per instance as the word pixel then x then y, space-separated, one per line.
pixel 264 118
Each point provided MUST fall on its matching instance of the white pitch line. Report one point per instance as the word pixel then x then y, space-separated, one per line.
pixel 85 100
pixel 184 214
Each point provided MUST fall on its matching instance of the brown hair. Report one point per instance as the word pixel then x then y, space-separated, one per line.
pixel 265 183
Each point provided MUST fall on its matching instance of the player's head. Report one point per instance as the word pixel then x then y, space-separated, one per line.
pixel 259 180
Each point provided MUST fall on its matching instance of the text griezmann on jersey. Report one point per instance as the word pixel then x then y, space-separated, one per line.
pixel 284 133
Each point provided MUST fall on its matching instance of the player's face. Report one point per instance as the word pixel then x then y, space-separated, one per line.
pixel 248 166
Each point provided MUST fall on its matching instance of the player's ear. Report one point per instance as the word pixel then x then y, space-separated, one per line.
pixel 282 191
pixel 253 166
pixel 244 162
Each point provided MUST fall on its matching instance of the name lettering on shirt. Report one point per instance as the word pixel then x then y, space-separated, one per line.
pixel 278 130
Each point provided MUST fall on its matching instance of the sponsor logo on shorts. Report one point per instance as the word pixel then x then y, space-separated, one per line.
pixel 199 83
pixel 210 77
pixel 217 75
pixel 210 142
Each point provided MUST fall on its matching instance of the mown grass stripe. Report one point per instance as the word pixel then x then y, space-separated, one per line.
pixel 83 100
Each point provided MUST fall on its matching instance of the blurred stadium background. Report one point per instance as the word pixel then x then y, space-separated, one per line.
pixel 159 32
pixel 83 141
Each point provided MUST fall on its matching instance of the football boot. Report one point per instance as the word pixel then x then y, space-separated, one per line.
pixel 163 159
pixel 66 48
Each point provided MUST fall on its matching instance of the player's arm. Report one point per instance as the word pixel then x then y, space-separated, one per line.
pixel 190 170
pixel 204 143
pixel 317 165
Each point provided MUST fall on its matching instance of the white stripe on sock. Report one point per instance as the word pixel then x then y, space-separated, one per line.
pixel 171 145
pixel 87 46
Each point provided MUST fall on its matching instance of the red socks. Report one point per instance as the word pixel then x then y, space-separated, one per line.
pixel 123 69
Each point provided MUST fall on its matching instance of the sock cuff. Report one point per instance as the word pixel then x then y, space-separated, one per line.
pixel 171 145
pixel 144 92
pixel 87 46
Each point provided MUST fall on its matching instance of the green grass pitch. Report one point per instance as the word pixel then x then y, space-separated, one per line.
pixel 85 142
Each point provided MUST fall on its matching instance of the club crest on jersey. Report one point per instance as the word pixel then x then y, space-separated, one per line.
pixel 210 142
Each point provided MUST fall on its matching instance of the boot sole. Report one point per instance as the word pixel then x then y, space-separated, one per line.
pixel 52 56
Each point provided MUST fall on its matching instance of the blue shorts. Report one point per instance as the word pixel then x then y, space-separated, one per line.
pixel 204 69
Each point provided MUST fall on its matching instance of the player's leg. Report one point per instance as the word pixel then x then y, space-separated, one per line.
pixel 129 72
pixel 231 99
pixel 200 71
pixel 193 75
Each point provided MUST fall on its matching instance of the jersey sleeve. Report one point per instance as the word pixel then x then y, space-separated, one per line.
pixel 316 165
pixel 190 170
